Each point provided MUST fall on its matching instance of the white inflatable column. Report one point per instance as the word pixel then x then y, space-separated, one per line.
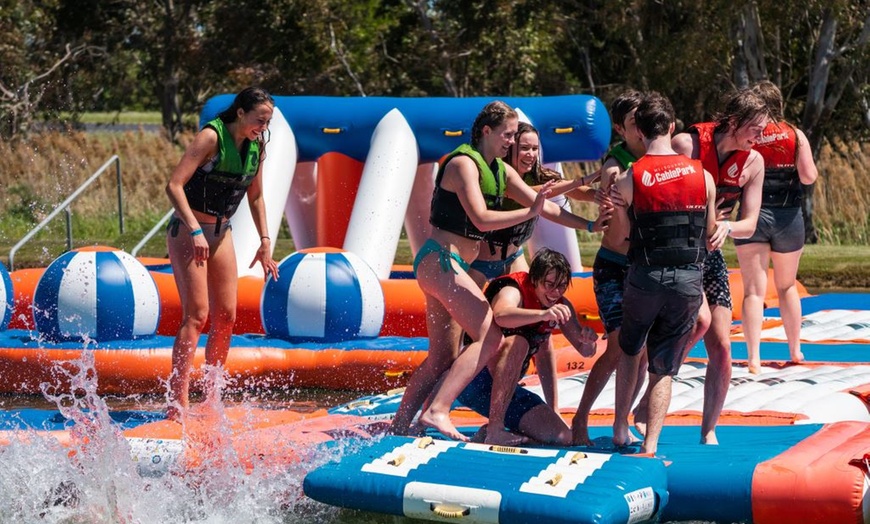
pixel 417 225
pixel 384 191
pixel 301 207
pixel 556 236
pixel 278 168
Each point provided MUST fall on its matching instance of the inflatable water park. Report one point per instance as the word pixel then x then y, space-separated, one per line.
pixel 348 176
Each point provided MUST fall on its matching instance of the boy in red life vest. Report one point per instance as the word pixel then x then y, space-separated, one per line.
pixel 725 149
pixel 671 214
pixel 528 306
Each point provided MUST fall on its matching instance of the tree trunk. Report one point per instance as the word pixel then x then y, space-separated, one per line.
pixel 749 65
pixel 823 97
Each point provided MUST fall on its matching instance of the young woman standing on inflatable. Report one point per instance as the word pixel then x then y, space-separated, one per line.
pixel 466 203
pixel 780 234
pixel 222 165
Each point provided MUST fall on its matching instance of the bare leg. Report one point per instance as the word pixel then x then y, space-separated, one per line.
pixel 702 325
pixel 754 259
pixel 659 401
pixel 444 335
pixel 467 366
pixel 641 413
pixel 718 376
pixel 595 382
pixel 461 297
pixel 626 379
pixel 544 425
pixel 505 369
pixel 223 288
pixel 191 280
pixel 785 266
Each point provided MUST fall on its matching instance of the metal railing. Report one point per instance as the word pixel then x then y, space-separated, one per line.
pixel 154 231
pixel 64 206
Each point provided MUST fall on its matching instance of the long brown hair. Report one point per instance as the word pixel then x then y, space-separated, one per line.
pixel 540 174
pixel 741 107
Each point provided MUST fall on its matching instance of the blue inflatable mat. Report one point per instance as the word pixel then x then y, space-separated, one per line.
pixel 54 420
pixel 778 351
pixel 856 301
pixel 437 480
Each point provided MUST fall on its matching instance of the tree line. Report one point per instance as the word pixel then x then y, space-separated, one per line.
pixel 72 56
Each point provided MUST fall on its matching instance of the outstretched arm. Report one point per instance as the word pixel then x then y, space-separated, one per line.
pixel 545 363
pixel 461 177
pixel 258 213
pixel 583 338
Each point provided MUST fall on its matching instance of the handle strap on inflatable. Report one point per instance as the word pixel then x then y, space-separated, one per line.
pixel 449 511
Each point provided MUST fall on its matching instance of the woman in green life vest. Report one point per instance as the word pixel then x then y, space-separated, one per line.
pixel 221 166
pixel 466 203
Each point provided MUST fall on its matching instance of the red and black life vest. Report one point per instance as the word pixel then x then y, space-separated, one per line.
pixel 782 185
pixel 537 333
pixel 668 211
pixel 725 172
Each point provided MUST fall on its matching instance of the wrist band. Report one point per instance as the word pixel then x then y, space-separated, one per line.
pixel 196 232
pixel 266 237
pixel 589 226
pixel 728 225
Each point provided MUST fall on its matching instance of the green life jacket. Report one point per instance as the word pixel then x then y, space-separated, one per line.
pixel 447 211
pixel 621 155
pixel 218 186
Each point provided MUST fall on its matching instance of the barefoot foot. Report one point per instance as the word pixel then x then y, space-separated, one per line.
pixel 710 439
pixel 441 422
pixel 797 357
pixel 502 437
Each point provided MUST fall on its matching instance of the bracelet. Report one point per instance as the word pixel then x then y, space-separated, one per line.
pixel 589 226
pixel 728 225
pixel 266 237
pixel 196 232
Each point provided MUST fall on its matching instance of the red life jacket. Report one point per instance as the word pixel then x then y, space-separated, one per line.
pixel 725 172
pixel 778 147
pixel 536 333
pixel 668 211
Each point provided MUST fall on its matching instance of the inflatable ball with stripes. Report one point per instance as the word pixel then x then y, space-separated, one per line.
pixel 323 295
pixel 96 294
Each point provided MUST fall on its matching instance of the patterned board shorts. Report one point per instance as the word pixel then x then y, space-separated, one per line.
pixel 716 285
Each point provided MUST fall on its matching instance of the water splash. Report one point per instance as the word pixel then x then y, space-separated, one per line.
pixel 92 473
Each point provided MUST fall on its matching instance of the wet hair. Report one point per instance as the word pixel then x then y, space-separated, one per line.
pixel 247 99
pixel 493 115
pixel 772 96
pixel 624 104
pixel 654 115
pixel 541 174
pixel 547 260
pixel 742 106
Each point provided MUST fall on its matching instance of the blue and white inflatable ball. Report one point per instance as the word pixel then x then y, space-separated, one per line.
pixel 96 294
pixel 323 297
pixel 7 298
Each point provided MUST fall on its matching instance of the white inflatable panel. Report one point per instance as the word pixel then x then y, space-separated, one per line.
pixel 301 207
